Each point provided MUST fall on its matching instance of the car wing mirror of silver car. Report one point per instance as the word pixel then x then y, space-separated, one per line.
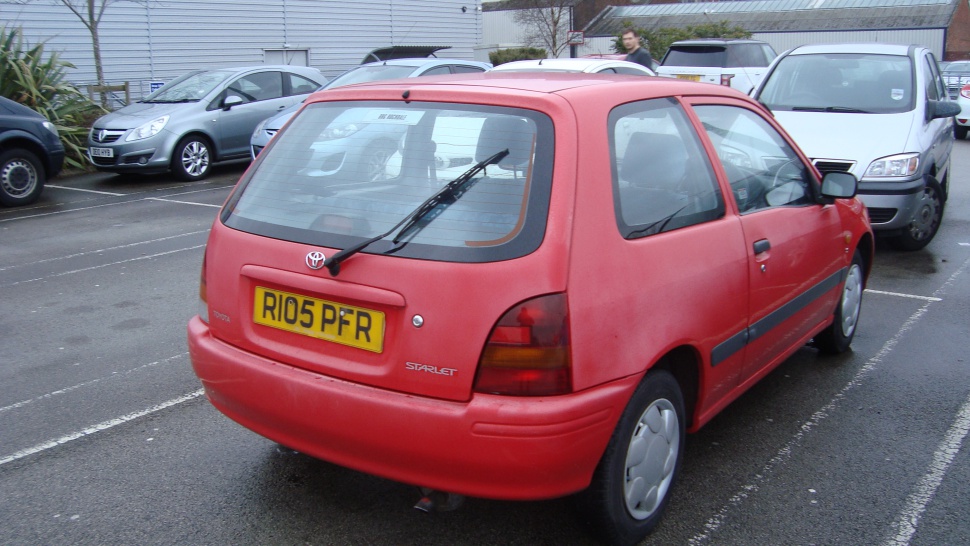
pixel 936 109
pixel 838 185
pixel 230 101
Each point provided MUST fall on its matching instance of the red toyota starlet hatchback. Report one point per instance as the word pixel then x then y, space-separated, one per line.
pixel 522 286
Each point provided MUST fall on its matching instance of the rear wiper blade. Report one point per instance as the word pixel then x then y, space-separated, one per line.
pixel 451 192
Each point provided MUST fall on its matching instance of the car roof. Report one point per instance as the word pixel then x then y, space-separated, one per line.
pixel 422 62
pixel 577 64
pixel 885 49
pixel 717 41
pixel 513 82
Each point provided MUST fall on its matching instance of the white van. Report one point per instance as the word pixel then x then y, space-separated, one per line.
pixel 894 125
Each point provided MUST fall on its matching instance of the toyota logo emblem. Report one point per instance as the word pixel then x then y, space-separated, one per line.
pixel 315 259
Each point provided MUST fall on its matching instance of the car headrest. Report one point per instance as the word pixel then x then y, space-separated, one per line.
pixel 654 160
pixel 501 132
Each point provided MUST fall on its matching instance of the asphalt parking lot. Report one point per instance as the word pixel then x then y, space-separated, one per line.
pixel 105 436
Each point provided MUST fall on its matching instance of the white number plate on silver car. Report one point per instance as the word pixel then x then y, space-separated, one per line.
pixel 102 152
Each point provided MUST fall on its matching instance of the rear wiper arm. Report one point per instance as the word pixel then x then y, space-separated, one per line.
pixel 447 195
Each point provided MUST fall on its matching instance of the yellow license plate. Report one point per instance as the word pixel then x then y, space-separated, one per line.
pixel 691 77
pixel 322 319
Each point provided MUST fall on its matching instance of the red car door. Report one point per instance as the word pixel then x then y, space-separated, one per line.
pixel 795 246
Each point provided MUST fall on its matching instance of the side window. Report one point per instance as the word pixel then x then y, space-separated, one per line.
pixel 300 85
pixel 461 69
pixel 764 171
pixel 436 71
pixel 258 86
pixel 935 90
pixel 662 177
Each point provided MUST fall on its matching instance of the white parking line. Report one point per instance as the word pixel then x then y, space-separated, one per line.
pixel 182 202
pixel 66 390
pixel 86 190
pixel 905 526
pixel 899 295
pixel 103 250
pixel 62 273
pixel 98 428
pixel 714 524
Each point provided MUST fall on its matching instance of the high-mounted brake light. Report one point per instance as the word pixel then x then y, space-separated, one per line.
pixel 528 351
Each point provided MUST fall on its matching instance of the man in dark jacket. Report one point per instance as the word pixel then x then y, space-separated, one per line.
pixel 634 52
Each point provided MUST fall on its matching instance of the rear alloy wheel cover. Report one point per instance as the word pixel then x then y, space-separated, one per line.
pixel 651 459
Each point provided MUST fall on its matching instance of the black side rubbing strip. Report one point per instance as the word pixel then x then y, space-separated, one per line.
pixel 735 343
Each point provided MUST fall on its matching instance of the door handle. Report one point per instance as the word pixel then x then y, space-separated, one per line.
pixel 761 246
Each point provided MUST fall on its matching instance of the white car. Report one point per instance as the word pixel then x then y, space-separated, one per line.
pixel 895 127
pixel 738 63
pixel 962 120
pixel 585 65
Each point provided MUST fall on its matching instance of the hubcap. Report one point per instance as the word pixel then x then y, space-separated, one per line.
pixel 195 158
pixel 18 178
pixel 651 458
pixel 927 216
pixel 377 165
pixel 851 300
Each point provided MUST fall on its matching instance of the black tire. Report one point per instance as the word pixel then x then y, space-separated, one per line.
pixel 651 429
pixel 838 336
pixel 22 177
pixel 960 131
pixel 925 222
pixel 192 158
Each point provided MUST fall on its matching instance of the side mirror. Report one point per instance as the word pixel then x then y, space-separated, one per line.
pixel 936 109
pixel 837 185
pixel 230 101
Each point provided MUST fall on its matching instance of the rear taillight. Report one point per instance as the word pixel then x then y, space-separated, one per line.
pixel 528 351
pixel 965 91
pixel 726 79
pixel 203 298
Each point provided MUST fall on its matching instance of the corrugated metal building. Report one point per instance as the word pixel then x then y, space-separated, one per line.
pixel 942 25
pixel 157 41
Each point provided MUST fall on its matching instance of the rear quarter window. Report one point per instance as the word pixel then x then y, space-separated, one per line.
pixel 662 177
pixel 345 172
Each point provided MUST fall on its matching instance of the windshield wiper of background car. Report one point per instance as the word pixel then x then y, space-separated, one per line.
pixel 842 109
pixel 176 101
pixel 451 192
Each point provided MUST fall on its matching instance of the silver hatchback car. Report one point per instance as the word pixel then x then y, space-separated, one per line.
pixel 196 120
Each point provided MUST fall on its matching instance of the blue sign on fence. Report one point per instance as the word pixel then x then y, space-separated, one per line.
pixel 155 86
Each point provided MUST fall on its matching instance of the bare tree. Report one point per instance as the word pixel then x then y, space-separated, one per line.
pixel 545 23
pixel 90 13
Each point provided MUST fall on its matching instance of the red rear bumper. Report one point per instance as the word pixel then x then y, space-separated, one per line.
pixel 492 446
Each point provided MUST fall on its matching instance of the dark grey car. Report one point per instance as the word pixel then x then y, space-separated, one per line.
pixel 31 153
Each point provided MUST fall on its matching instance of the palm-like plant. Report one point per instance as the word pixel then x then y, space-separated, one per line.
pixel 30 79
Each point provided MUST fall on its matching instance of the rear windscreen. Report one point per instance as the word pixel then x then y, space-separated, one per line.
pixel 345 172
pixel 705 56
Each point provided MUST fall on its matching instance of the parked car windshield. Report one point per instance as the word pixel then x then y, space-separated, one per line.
pixel 344 172
pixel 363 74
pixel 841 82
pixel 190 87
